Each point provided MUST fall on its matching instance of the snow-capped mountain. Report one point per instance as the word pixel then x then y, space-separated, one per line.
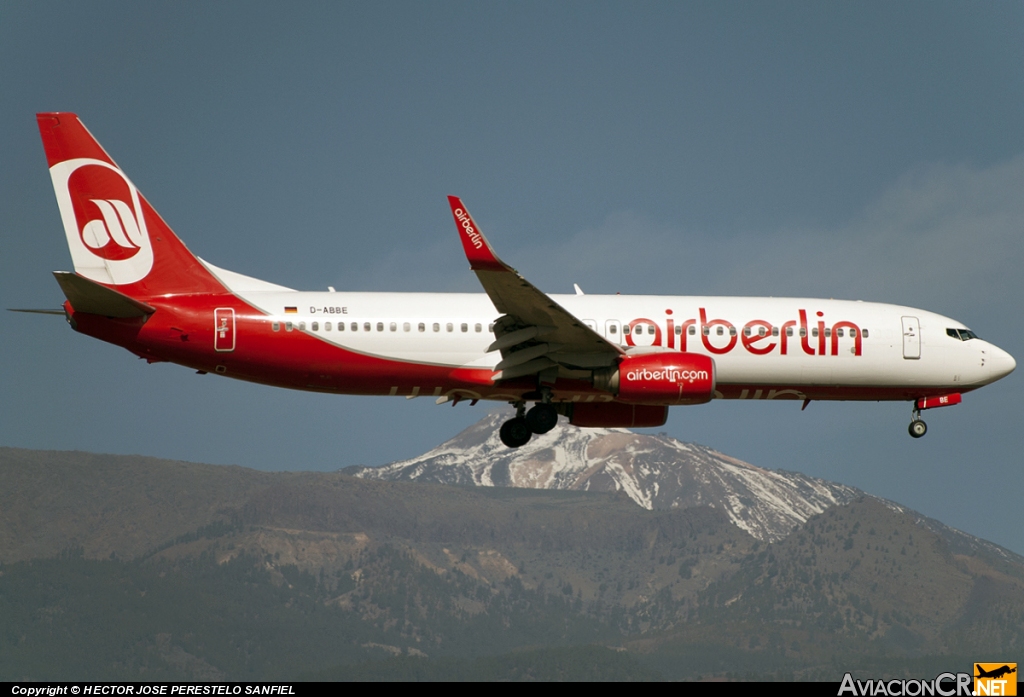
pixel 657 472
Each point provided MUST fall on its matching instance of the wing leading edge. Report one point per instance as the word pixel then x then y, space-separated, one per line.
pixel 536 335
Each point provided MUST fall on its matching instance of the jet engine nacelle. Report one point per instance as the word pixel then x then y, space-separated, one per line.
pixel 668 377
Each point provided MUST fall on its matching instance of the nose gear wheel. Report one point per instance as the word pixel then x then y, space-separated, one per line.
pixel 917 427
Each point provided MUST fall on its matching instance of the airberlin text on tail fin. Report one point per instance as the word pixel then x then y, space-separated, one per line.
pixel 116 238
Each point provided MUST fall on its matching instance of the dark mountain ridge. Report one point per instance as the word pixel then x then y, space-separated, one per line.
pixel 352 569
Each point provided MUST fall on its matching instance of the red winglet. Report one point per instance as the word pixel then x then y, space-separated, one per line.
pixel 478 250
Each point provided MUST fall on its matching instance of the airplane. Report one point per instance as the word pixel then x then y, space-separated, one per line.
pixel 599 360
pixel 994 673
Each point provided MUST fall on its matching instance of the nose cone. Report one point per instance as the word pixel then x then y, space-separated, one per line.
pixel 1000 363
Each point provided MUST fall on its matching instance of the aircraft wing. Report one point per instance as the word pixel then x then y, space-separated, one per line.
pixel 535 334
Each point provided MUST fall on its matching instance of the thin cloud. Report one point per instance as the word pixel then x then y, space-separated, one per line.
pixel 941 237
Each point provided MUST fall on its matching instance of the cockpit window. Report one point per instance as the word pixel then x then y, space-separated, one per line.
pixel 961 334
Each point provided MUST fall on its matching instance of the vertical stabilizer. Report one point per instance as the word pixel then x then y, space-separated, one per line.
pixel 116 238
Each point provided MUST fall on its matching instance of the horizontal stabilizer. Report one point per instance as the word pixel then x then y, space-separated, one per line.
pixel 96 299
pixel 36 312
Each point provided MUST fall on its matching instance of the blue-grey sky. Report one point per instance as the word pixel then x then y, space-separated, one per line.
pixel 854 150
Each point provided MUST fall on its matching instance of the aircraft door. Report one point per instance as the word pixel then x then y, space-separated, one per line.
pixel 911 338
pixel 613 331
pixel 224 329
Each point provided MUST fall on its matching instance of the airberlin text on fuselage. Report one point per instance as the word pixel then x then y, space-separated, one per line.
pixel 719 336
pixel 467 225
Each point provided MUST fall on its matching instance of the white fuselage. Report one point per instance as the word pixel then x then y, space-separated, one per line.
pixel 899 347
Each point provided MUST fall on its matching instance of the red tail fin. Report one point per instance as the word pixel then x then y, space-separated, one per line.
pixel 116 238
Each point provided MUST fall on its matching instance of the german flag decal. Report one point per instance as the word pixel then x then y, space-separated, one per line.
pixel 291 310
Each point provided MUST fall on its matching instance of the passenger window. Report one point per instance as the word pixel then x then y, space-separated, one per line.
pixel 864 333
pixel 327 326
pixel 276 326
pixel 679 330
pixel 775 331
pixel 789 331
pixel 316 326
pixel 355 326
pixel 611 329
pixel 625 329
pixel 449 326
pixel 693 330
pixel 393 327
pixel 421 327
pixel 732 331
pixel 803 331
pixel 828 331
pixel 437 327
pixel 814 331
pixel 288 326
pixel 721 330
pixel 853 333
pixel 406 327
pixel 479 327
pixel 464 327
pixel 762 331
pixel 380 326
pixel 341 326
pixel 707 330
pixel 839 332
pixel 746 331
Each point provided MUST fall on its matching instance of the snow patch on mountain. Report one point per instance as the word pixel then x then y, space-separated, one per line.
pixel 657 472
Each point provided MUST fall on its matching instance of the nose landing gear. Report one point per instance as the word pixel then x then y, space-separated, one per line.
pixel 917 427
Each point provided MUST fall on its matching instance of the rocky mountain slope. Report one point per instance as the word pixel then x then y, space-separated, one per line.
pixel 125 567
pixel 657 472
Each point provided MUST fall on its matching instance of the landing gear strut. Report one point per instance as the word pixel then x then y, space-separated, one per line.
pixel 917 427
pixel 515 432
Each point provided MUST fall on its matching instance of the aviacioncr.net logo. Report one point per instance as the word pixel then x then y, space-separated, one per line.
pixel 102 214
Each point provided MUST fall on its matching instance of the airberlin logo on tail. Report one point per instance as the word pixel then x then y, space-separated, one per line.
pixel 671 375
pixel 467 224
pixel 103 220
pixel 117 235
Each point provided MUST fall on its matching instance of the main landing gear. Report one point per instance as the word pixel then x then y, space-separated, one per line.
pixel 517 431
pixel 917 427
